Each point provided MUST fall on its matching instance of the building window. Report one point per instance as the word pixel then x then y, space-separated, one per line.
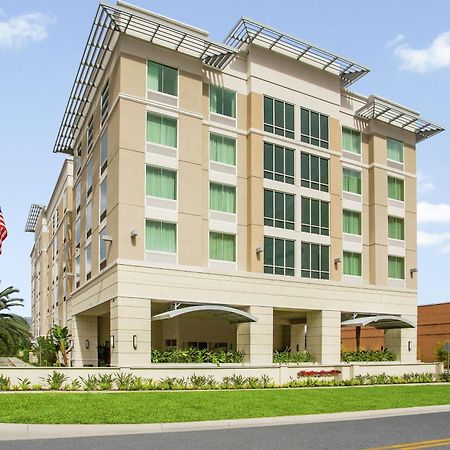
pixel 90 134
pixel 161 130
pixel 77 232
pixel 78 197
pixel 352 264
pixel 222 247
pixel 222 198
pixel 89 178
pixel 102 249
pixel 104 102
pixel 222 101
pixel 161 183
pixel 77 159
pixel 279 256
pixel 314 128
pixel 88 261
pixel 351 181
pixel 89 219
pixel 396 267
pixel 315 216
pixel 162 78
pixel 278 163
pixel 351 140
pixel 352 222
pixel 394 150
pixel 279 210
pixel 278 117
pixel 103 199
pixel 160 236
pixel 104 151
pixel 314 172
pixel 222 149
pixel 396 228
pixel 315 261
pixel 396 189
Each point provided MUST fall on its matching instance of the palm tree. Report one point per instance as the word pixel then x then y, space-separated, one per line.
pixel 60 337
pixel 14 329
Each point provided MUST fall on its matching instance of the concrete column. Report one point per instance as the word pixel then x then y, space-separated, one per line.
pixel 323 338
pixel 403 343
pixel 130 317
pixel 84 334
pixel 298 331
pixel 256 338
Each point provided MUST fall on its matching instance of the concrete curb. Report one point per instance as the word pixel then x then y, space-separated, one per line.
pixel 24 431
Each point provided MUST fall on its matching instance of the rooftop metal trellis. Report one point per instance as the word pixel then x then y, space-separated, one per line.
pixel 381 109
pixel 247 31
pixel 110 21
pixel 33 217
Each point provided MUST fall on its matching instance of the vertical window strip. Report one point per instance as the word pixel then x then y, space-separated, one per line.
pixel 351 140
pixel 102 248
pixel 352 264
pixel 103 199
pixel 160 236
pixel 279 163
pixel 222 198
pixel 396 189
pixel 315 261
pixel 161 130
pixel 161 183
pixel 352 222
pixel 278 117
pixel 104 102
pixel 314 128
pixel 104 151
pixel 222 101
pixel 314 172
pixel 396 228
pixel 88 252
pixel 279 256
pixel 394 150
pixel 222 149
pixel 279 209
pixel 90 134
pixel 162 78
pixel 315 216
pixel 396 267
pixel 222 247
pixel 351 181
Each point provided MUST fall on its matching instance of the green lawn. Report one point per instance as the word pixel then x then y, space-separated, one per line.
pixel 156 407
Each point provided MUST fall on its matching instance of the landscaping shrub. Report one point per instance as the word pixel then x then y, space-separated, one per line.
pixel 196 355
pixel 442 355
pixel 288 357
pixel 55 380
pixel 367 356
pixel 5 383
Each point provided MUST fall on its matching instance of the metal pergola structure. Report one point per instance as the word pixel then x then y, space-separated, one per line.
pixel 111 21
pixel 33 217
pixel 248 31
pixel 386 111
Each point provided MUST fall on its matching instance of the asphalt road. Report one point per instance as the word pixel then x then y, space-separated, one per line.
pixel 413 432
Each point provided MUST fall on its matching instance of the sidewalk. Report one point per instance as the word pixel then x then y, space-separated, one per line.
pixel 23 431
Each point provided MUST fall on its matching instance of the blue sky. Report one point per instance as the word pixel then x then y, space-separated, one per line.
pixel 405 43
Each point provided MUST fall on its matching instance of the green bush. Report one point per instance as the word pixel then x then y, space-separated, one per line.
pixel 288 357
pixel 442 355
pixel 368 356
pixel 56 380
pixel 196 355
pixel 5 383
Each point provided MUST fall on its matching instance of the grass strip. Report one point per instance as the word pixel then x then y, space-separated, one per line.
pixel 176 406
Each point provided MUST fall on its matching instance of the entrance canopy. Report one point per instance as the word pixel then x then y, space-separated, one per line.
pixel 233 315
pixel 380 322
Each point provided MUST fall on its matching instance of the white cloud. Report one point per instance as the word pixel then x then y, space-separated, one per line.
pixel 422 60
pixel 445 249
pixel 21 30
pixel 433 213
pixel 424 238
pixel 394 42
pixel 424 183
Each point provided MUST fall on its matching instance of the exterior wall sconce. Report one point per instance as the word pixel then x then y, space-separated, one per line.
pixel 135 341
pixel 133 234
pixel 413 271
pixel 70 344
pixel 86 344
pixel 112 341
pixel 409 346
pixel 259 250
pixel 336 262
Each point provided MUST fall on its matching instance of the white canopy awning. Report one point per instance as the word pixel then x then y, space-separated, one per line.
pixel 380 322
pixel 233 315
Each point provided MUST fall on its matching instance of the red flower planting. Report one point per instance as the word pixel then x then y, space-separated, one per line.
pixel 315 373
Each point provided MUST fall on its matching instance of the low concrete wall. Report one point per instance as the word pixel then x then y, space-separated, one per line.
pixel 279 374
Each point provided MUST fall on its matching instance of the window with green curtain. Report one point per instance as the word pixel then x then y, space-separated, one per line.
pixel 396 189
pixel 222 247
pixel 160 236
pixel 222 198
pixel 352 264
pixel 351 180
pixel 162 78
pixel 315 261
pixel 396 228
pixel 279 256
pixel 352 222
pixel 279 209
pixel 394 150
pixel 315 216
pixel 396 267
pixel 222 101
pixel 161 130
pixel 314 128
pixel 278 117
pixel 161 182
pixel 222 149
pixel 314 172
pixel 351 140
pixel 279 163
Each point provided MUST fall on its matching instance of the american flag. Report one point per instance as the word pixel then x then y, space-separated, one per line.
pixel 3 230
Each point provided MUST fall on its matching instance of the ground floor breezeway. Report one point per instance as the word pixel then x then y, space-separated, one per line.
pixel 122 331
